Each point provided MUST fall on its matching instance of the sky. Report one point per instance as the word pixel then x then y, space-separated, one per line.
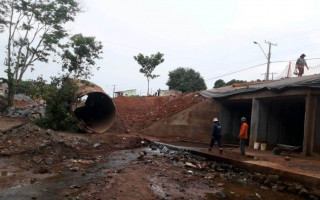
pixel 213 37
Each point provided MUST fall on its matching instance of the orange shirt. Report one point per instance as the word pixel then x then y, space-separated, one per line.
pixel 244 131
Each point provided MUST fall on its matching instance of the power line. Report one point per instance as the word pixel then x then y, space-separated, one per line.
pixel 235 72
pixel 245 69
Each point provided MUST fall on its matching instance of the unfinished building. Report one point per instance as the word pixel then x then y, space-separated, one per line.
pixel 278 112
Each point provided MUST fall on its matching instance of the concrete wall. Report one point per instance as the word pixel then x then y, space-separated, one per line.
pixel 230 119
pixel 278 121
pixel 193 124
pixel 316 145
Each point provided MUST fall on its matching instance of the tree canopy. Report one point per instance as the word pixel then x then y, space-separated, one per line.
pixel 186 80
pixel 35 29
pixel 220 83
pixel 79 56
pixel 148 64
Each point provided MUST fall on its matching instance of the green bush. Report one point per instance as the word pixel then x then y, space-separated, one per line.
pixel 58 96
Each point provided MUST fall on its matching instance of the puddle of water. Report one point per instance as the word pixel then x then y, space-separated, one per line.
pixel 52 188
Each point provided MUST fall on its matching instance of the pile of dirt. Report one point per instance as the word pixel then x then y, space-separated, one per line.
pixel 137 113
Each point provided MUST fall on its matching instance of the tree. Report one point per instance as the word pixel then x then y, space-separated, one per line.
pixel 79 56
pixel 148 64
pixel 219 83
pixel 235 81
pixel 35 29
pixel 186 80
pixel 33 88
pixel 78 59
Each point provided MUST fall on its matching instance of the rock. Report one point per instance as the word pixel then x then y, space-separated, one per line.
pixel 256 176
pixel 190 172
pixel 287 158
pixel 128 131
pixel 118 171
pixel 96 145
pixel 264 187
pixel 188 164
pixel 153 148
pixel 48 161
pixel 49 132
pixel 303 192
pixel 74 169
pixel 32 181
pixel 220 184
pixel 36 116
pixel 141 155
pixel 164 150
pixel 273 178
pixel 220 195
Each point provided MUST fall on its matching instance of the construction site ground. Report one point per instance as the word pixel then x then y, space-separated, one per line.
pixel 291 166
pixel 123 164
pixel 44 164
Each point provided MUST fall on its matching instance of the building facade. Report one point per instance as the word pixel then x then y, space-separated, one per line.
pixel 278 112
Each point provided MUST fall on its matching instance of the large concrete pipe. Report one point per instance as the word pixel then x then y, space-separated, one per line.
pixel 97 112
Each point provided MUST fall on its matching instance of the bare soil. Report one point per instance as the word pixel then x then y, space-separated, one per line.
pixel 137 113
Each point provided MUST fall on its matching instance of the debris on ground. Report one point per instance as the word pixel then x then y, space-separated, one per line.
pixel 24 106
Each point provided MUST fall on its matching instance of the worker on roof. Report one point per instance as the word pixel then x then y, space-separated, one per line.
pixel 243 135
pixel 216 135
pixel 301 62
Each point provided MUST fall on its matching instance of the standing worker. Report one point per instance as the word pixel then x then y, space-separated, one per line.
pixel 243 135
pixel 216 135
pixel 301 62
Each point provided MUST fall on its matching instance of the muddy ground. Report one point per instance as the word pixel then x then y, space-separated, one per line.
pixel 43 164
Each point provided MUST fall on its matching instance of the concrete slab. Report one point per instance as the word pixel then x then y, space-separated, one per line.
pixel 299 168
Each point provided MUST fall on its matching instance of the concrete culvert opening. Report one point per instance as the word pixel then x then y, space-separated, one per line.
pixel 94 109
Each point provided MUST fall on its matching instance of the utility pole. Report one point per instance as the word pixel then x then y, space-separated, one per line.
pixel 269 56
pixel 114 89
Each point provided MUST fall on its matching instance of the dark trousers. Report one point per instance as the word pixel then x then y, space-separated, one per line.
pixel 242 146
pixel 213 139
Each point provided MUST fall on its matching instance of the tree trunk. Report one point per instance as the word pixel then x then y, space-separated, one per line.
pixel 148 88
pixel 11 92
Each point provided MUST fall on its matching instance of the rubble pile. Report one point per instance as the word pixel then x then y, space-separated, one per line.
pixel 24 106
pixel 137 113
pixel 210 170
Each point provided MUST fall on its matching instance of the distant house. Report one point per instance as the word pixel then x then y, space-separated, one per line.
pixel 126 93
pixel 169 92
pixel 3 89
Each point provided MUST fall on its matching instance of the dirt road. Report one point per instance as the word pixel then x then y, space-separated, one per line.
pixel 43 164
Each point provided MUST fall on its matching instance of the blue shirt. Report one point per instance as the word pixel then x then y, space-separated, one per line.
pixel 216 129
